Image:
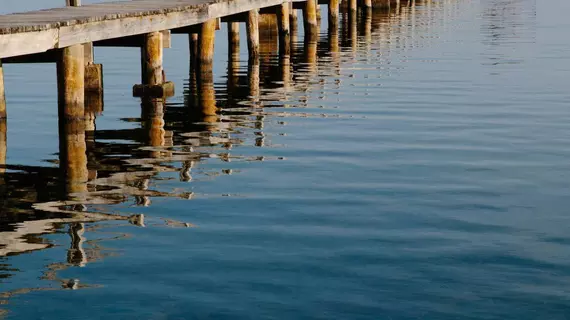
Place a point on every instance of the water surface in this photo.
(413, 165)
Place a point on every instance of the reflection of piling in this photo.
(152, 115)
(76, 254)
(253, 79)
(73, 156)
(3, 145)
(233, 58)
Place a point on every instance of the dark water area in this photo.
(412, 165)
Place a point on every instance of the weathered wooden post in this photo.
(152, 72)
(206, 41)
(352, 5)
(71, 83)
(193, 46)
(283, 25)
(153, 80)
(205, 76)
(233, 58)
(333, 10)
(252, 28)
(2, 94)
(310, 18)
(293, 17)
(233, 38)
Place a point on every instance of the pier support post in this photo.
(152, 74)
(152, 59)
(293, 17)
(333, 10)
(283, 24)
(352, 6)
(310, 17)
(233, 39)
(252, 28)
(367, 4)
(206, 41)
(71, 83)
(2, 94)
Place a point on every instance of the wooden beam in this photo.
(239, 17)
(187, 30)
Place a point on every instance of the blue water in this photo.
(420, 173)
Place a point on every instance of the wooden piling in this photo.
(233, 38)
(206, 41)
(2, 94)
(283, 25)
(367, 4)
(151, 54)
(310, 17)
(252, 28)
(193, 46)
(71, 82)
(293, 18)
(333, 10)
(352, 5)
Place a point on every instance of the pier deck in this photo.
(40, 31)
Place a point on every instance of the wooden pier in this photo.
(66, 36)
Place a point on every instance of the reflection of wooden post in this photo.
(2, 94)
(71, 82)
(353, 30)
(3, 145)
(76, 254)
(253, 79)
(310, 17)
(73, 156)
(153, 123)
(152, 72)
(285, 66)
(284, 29)
(252, 28)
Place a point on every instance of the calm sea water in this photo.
(419, 172)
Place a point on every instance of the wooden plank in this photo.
(27, 43)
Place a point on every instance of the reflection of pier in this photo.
(95, 170)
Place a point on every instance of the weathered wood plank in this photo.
(26, 43)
